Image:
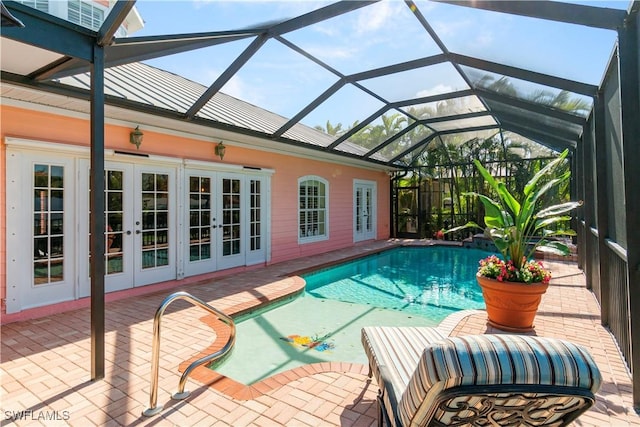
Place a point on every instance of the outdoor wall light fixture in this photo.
(220, 149)
(135, 137)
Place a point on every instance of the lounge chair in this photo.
(426, 379)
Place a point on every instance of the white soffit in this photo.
(19, 58)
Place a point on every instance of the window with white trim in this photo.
(41, 5)
(313, 210)
(88, 15)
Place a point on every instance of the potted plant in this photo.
(513, 284)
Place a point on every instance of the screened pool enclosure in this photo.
(384, 85)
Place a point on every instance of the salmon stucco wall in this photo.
(340, 201)
(48, 127)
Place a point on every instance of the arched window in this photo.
(313, 213)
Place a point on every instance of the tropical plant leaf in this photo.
(499, 233)
(531, 200)
(508, 200)
(493, 213)
(558, 209)
(499, 239)
(550, 221)
(548, 186)
(470, 224)
(486, 175)
(544, 171)
(556, 233)
(515, 224)
(554, 247)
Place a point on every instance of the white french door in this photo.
(229, 224)
(154, 225)
(215, 225)
(119, 215)
(364, 210)
(221, 221)
(40, 229)
(227, 220)
(140, 218)
(258, 188)
(201, 202)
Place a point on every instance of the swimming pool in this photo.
(406, 286)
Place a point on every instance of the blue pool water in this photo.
(412, 286)
(432, 281)
(303, 331)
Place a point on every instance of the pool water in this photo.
(303, 331)
(414, 286)
(432, 281)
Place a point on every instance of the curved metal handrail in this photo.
(181, 393)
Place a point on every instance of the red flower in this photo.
(495, 268)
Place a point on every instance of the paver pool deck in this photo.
(45, 370)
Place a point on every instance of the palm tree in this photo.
(330, 129)
(562, 100)
(502, 85)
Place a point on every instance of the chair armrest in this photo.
(479, 360)
(388, 396)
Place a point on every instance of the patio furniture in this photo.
(425, 378)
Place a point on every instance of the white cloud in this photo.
(238, 89)
(374, 17)
(464, 31)
(211, 74)
(235, 87)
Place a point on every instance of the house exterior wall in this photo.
(49, 127)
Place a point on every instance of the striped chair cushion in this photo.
(393, 354)
(493, 359)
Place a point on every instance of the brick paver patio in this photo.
(46, 362)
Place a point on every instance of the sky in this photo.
(280, 80)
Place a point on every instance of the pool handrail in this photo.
(181, 393)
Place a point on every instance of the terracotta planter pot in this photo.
(511, 306)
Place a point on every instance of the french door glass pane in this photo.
(48, 224)
(358, 209)
(114, 214)
(254, 229)
(368, 206)
(230, 216)
(199, 218)
(155, 212)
